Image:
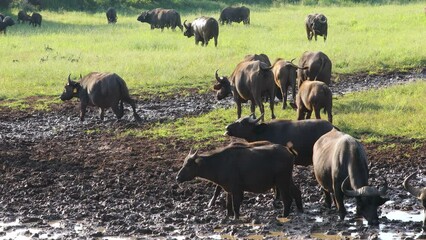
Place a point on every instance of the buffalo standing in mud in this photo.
(238, 168)
(36, 19)
(111, 15)
(264, 58)
(314, 96)
(316, 24)
(203, 29)
(249, 81)
(419, 193)
(314, 66)
(235, 14)
(7, 22)
(23, 17)
(301, 135)
(285, 76)
(161, 18)
(340, 160)
(104, 90)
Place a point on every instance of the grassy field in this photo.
(37, 61)
(372, 116)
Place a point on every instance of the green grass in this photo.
(37, 61)
(372, 116)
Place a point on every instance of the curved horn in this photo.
(413, 190)
(217, 76)
(184, 23)
(322, 19)
(349, 193)
(292, 60)
(69, 78)
(254, 121)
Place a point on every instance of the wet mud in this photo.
(63, 179)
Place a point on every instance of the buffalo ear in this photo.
(217, 86)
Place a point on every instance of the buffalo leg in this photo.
(82, 111)
(215, 41)
(239, 110)
(215, 195)
(308, 114)
(132, 103)
(237, 199)
(253, 108)
(315, 35)
(287, 200)
(317, 112)
(330, 115)
(338, 195)
(102, 113)
(297, 195)
(300, 113)
(327, 198)
(271, 104)
(284, 94)
(119, 112)
(229, 208)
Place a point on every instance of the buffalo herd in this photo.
(272, 148)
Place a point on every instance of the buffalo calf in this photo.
(111, 15)
(314, 96)
(238, 168)
(36, 19)
(104, 90)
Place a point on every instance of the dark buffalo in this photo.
(35, 19)
(316, 24)
(238, 168)
(302, 135)
(23, 17)
(285, 76)
(7, 22)
(249, 81)
(161, 18)
(419, 193)
(314, 96)
(314, 66)
(340, 160)
(264, 58)
(203, 29)
(235, 14)
(104, 90)
(111, 15)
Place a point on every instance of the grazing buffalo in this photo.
(111, 15)
(161, 18)
(419, 193)
(264, 58)
(104, 90)
(203, 29)
(35, 19)
(7, 22)
(316, 24)
(285, 76)
(302, 135)
(249, 81)
(23, 17)
(235, 14)
(314, 66)
(339, 160)
(314, 96)
(238, 168)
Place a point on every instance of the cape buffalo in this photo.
(7, 22)
(249, 81)
(35, 19)
(104, 90)
(235, 14)
(238, 168)
(419, 193)
(264, 58)
(314, 96)
(111, 15)
(316, 24)
(302, 135)
(23, 17)
(340, 160)
(285, 76)
(161, 18)
(203, 29)
(314, 66)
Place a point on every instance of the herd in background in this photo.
(266, 161)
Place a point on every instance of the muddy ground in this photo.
(62, 179)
